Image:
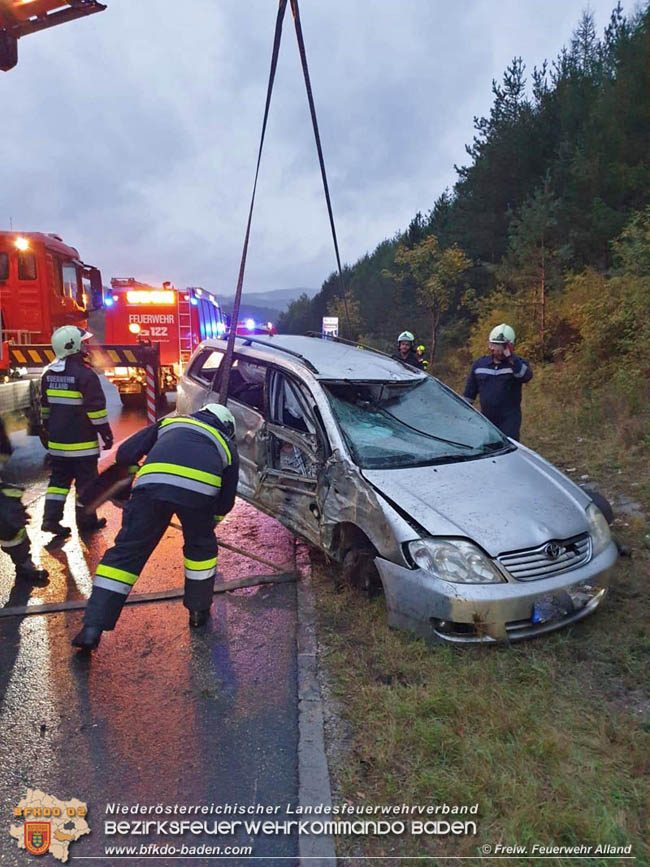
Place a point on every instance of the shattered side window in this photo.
(206, 365)
(290, 405)
(247, 383)
(407, 425)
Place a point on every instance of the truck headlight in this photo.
(598, 529)
(455, 560)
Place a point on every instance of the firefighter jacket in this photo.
(73, 408)
(190, 461)
(498, 385)
(412, 358)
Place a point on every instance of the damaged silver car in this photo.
(473, 537)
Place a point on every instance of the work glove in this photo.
(217, 519)
(107, 439)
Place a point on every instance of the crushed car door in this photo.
(246, 403)
(295, 457)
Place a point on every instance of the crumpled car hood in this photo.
(502, 503)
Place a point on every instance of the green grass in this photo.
(550, 737)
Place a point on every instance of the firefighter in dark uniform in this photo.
(13, 518)
(73, 410)
(497, 379)
(191, 470)
(405, 350)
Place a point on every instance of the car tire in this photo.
(360, 572)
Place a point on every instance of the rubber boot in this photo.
(56, 528)
(88, 638)
(199, 618)
(28, 573)
(91, 526)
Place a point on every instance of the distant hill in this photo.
(275, 299)
(252, 311)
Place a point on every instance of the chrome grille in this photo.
(533, 563)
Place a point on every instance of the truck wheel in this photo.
(359, 570)
(132, 401)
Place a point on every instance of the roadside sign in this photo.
(330, 326)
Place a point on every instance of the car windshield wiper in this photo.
(428, 435)
(452, 459)
(495, 448)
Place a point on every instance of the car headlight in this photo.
(598, 529)
(454, 560)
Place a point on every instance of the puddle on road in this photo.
(72, 563)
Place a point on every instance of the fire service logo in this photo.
(37, 837)
(49, 824)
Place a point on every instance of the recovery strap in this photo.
(227, 362)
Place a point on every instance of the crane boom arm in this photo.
(21, 17)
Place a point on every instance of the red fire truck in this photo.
(20, 17)
(176, 319)
(43, 285)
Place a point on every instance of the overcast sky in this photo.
(133, 133)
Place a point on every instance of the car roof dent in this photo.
(325, 359)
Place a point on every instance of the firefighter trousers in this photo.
(14, 540)
(143, 525)
(64, 472)
(18, 548)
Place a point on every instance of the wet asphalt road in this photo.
(159, 714)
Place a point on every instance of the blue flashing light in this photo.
(108, 302)
(250, 324)
(194, 302)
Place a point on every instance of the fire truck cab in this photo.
(43, 285)
(175, 319)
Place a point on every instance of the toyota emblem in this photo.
(553, 550)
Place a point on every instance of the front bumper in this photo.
(485, 613)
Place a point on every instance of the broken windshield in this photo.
(388, 425)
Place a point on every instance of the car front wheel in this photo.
(360, 572)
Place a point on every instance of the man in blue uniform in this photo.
(497, 379)
(73, 410)
(191, 470)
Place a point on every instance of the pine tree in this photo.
(534, 258)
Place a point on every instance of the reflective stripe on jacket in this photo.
(189, 462)
(73, 408)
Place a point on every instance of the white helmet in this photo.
(67, 340)
(502, 334)
(223, 414)
(406, 336)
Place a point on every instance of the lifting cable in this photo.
(227, 362)
(310, 97)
